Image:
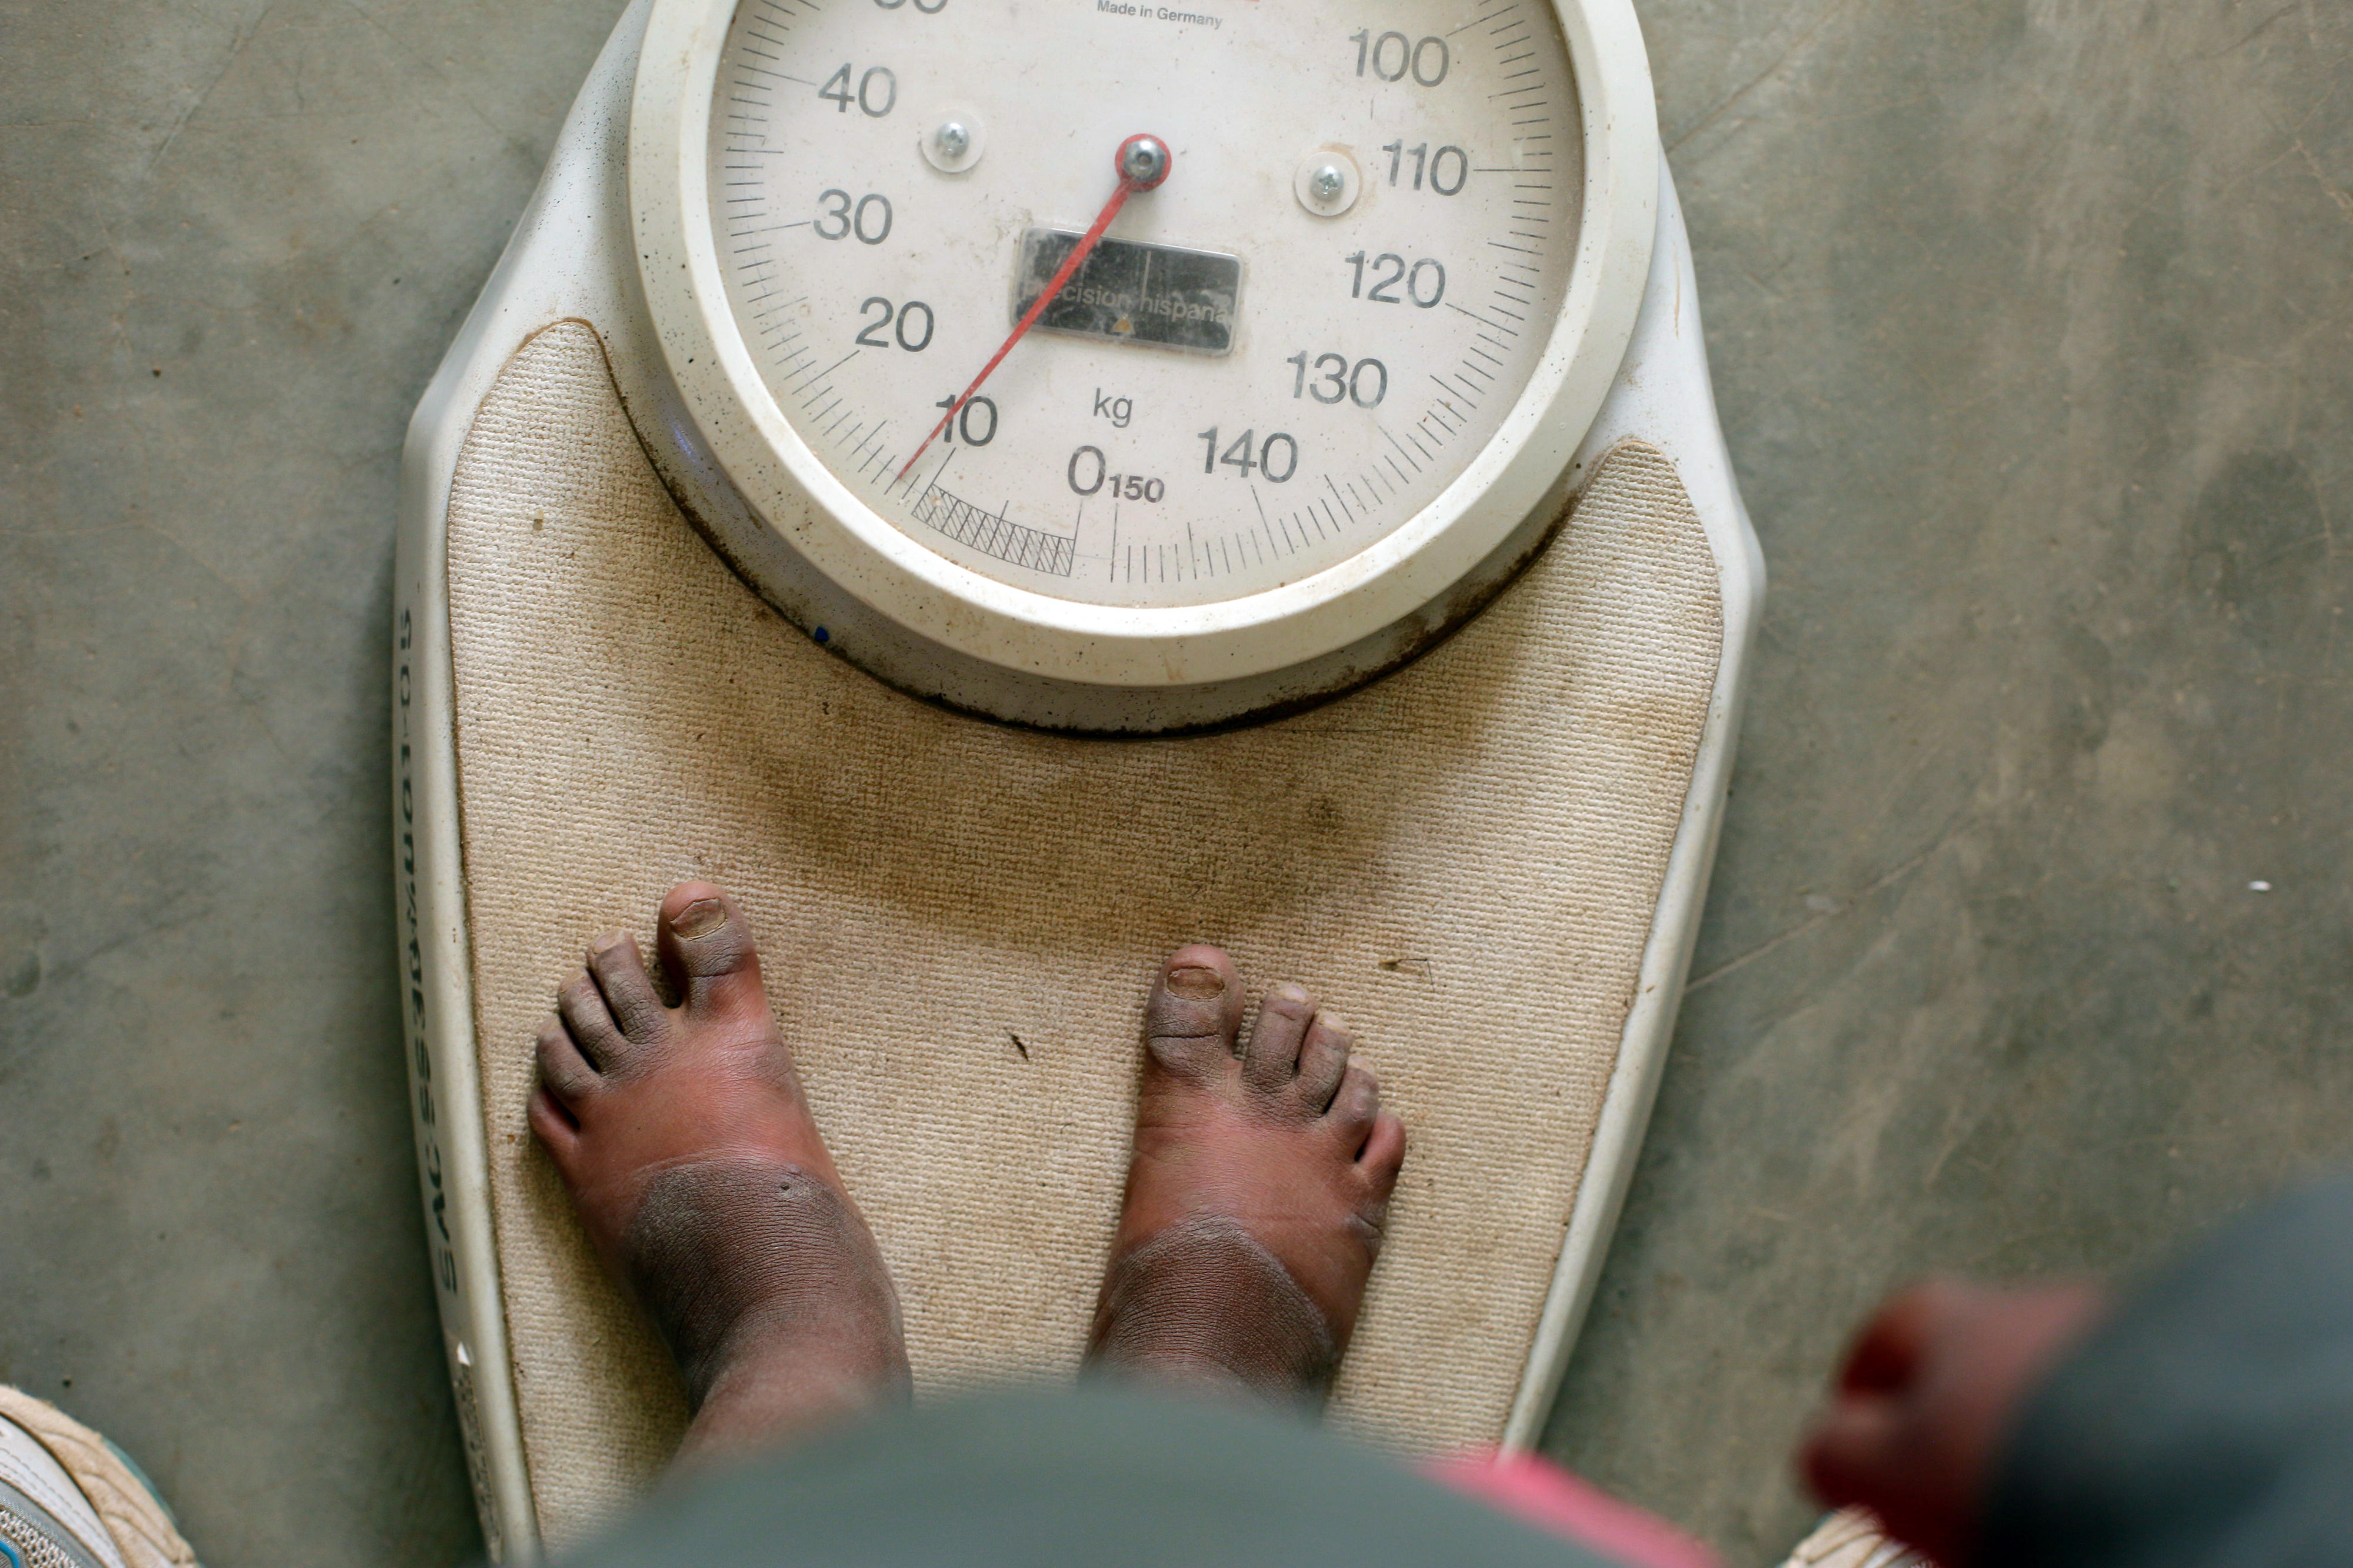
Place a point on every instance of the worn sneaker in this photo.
(70, 1499)
(1852, 1538)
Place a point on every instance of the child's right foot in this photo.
(1256, 1195)
(689, 1153)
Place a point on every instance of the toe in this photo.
(1271, 1059)
(561, 1068)
(619, 970)
(1355, 1106)
(1195, 1008)
(582, 1007)
(707, 948)
(1383, 1155)
(554, 1127)
(1323, 1061)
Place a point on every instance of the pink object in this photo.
(1538, 1493)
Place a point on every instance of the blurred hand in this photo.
(1928, 1396)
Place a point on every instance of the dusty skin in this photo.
(1255, 1197)
(688, 1147)
(1256, 1193)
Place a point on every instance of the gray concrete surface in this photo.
(2032, 328)
(2034, 331)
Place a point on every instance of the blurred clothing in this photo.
(2209, 1422)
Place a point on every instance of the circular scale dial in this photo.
(1277, 354)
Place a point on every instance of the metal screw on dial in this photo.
(1327, 181)
(956, 141)
(1143, 161)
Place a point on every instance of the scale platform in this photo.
(1491, 859)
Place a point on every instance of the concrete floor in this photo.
(2034, 333)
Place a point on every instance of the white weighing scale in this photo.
(1009, 486)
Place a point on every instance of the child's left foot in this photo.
(1256, 1195)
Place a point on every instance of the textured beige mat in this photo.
(960, 920)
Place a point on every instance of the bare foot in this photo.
(1928, 1395)
(1255, 1195)
(688, 1147)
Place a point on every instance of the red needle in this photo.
(1141, 162)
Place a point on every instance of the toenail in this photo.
(605, 945)
(1196, 983)
(1292, 993)
(700, 918)
(1329, 1023)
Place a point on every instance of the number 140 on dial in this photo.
(1247, 454)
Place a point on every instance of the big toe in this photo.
(1194, 1011)
(709, 954)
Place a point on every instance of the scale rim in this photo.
(792, 491)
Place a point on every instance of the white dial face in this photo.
(1276, 357)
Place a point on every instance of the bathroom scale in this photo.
(1009, 486)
